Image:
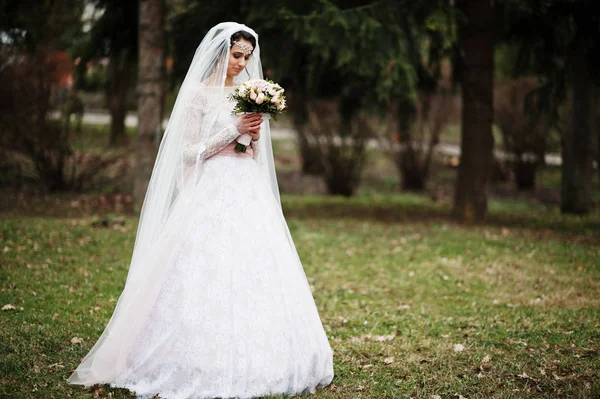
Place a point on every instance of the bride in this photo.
(216, 302)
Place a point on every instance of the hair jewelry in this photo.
(246, 48)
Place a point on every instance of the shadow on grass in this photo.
(388, 208)
(418, 209)
(63, 205)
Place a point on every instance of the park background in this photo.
(438, 168)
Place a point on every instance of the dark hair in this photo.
(242, 34)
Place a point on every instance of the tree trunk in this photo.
(298, 106)
(477, 36)
(117, 88)
(118, 134)
(408, 160)
(311, 160)
(310, 156)
(413, 178)
(524, 172)
(415, 156)
(577, 166)
(151, 83)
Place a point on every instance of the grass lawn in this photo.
(415, 306)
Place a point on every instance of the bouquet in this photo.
(257, 96)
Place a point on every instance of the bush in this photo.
(30, 137)
(338, 142)
(414, 131)
(524, 134)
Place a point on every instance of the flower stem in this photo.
(240, 148)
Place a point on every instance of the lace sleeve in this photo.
(199, 145)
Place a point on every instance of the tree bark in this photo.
(151, 83)
(577, 166)
(477, 36)
(120, 76)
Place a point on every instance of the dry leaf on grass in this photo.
(371, 337)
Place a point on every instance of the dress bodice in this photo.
(209, 125)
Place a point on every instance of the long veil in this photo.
(107, 360)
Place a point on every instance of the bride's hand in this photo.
(249, 123)
(255, 134)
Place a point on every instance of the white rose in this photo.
(253, 95)
(260, 98)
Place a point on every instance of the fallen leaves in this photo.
(485, 362)
(8, 306)
(76, 340)
(485, 365)
(98, 392)
(524, 376)
(371, 337)
(459, 347)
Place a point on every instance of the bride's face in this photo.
(238, 58)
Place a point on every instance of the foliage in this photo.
(540, 37)
(508, 309)
(349, 56)
(391, 51)
(113, 32)
(419, 119)
(187, 23)
(114, 36)
(38, 146)
(30, 76)
(27, 82)
(32, 27)
(334, 49)
(93, 79)
(559, 41)
(361, 43)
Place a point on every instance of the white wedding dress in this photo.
(234, 315)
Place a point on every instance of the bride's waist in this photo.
(230, 150)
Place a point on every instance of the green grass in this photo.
(397, 282)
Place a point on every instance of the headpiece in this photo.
(246, 48)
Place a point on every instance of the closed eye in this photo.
(237, 55)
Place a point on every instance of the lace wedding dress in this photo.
(234, 315)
